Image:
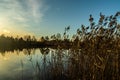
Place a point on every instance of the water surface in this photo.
(58, 64)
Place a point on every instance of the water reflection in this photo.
(59, 64)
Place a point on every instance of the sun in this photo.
(2, 25)
(6, 31)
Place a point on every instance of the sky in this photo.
(48, 17)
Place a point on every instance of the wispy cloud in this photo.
(36, 8)
(22, 12)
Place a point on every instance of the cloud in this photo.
(36, 7)
(22, 12)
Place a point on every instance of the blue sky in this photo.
(47, 17)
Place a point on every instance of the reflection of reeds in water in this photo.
(76, 64)
(81, 65)
(22, 70)
(73, 64)
(38, 70)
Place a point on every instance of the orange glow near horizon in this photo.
(9, 28)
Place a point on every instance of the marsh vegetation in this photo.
(93, 53)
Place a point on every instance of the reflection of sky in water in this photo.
(119, 19)
(10, 65)
(46, 64)
(17, 65)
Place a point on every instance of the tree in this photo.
(42, 39)
(33, 38)
(27, 38)
(58, 36)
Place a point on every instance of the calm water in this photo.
(31, 64)
(58, 64)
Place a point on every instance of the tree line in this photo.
(103, 34)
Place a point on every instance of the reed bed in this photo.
(92, 54)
